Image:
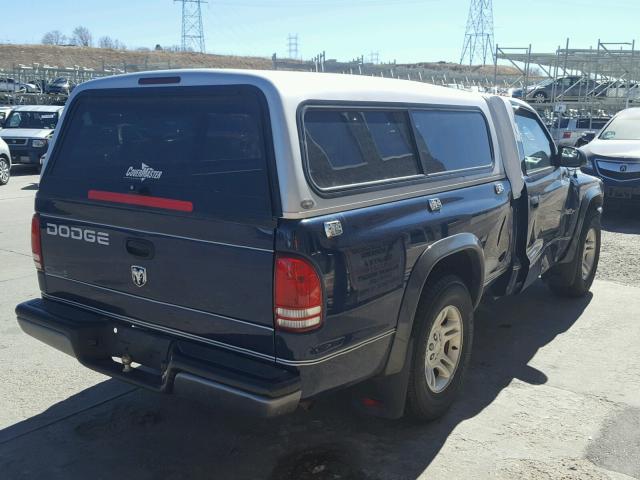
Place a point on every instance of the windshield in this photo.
(622, 129)
(546, 82)
(39, 120)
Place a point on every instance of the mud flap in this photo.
(385, 396)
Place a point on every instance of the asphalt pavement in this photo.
(553, 393)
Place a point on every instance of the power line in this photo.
(192, 36)
(478, 37)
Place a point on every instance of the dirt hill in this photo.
(135, 60)
(98, 58)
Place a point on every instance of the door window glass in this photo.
(535, 143)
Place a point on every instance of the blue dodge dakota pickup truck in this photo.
(256, 239)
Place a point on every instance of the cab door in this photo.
(547, 187)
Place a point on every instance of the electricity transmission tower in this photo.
(292, 45)
(192, 31)
(478, 38)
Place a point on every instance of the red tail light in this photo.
(36, 245)
(566, 135)
(297, 295)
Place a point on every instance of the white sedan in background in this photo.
(5, 163)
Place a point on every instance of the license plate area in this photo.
(622, 192)
(141, 345)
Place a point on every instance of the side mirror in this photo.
(571, 157)
(584, 139)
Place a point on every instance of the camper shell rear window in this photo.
(203, 145)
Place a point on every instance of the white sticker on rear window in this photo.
(142, 173)
(48, 115)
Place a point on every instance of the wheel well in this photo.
(465, 265)
(595, 203)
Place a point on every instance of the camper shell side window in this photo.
(348, 148)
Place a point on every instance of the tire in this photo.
(428, 399)
(5, 171)
(539, 97)
(575, 279)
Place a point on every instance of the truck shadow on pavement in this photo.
(142, 435)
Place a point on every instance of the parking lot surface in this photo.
(553, 393)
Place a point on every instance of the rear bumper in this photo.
(168, 365)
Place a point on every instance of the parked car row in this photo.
(59, 86)
(575, 87)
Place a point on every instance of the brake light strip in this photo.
(141, 200)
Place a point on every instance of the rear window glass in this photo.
(349, 147)
(208, 149)
(593, 124)
(452, 140)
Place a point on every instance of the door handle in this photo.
(535, 201)
(140, 248)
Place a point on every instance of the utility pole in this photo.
(192, 37)
(478, 37)
(292, 46)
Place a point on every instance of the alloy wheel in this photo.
(589, 253)
(4, 171)
(444, 347)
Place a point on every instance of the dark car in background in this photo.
(565, 88)
(614, 156)
(61, 86)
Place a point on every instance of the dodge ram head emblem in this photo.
(138, 275)
(623, 167)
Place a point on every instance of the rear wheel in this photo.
(575, 279)
(5, 171)
(539, 97)
(443, 336)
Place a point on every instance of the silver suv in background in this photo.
(27, 131)
(567, 131)
(11, 85)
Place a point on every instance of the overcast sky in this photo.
(405, 30)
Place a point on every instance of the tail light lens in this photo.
(36, 244)
(297, 295)
(566, 135)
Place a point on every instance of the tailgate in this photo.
(156, 207)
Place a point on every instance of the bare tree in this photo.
(54, 37)
(81, 37)
(106, 42)
(111, 43)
